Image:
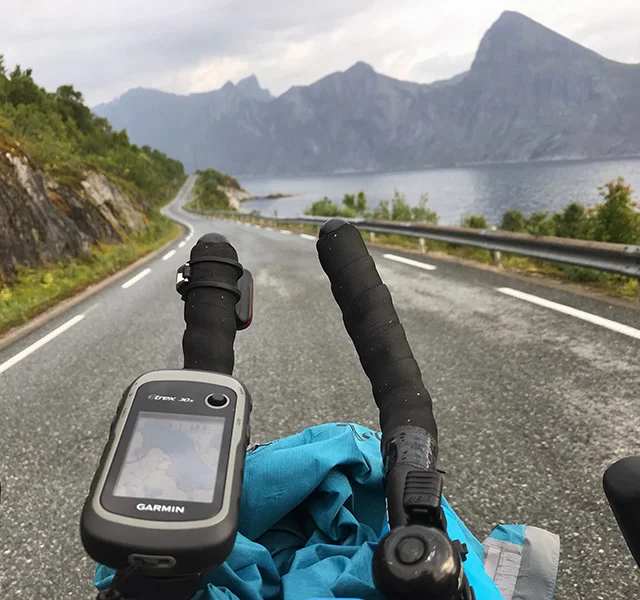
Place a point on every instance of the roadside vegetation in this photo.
(355, 205)
(62, 137)
(65, 139)
(616, 219)
(36, 290)
(207, 192)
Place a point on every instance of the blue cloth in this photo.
(313, 509)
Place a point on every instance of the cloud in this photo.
(108, 46)
(440, 66)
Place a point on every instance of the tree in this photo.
(22, 89)
(574, 222)
(324, 208)
(349, 201)
(66, 93)
(475, 222)
(381, 212)
(3, 71)
(616, 219)
(355, 206)
(539, 223)
(422, 213)
(400, 210)
(513, 220)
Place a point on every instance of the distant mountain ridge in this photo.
(530, 94)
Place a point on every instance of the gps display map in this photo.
(172, 457)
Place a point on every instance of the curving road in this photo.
(533, 401)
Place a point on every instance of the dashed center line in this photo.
(305, 236)
(285, 232)
(182, 244)
(41, 342)
(573, 312)
(135, 279)
(168, 255)
(408, 261)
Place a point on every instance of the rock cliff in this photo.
(42, 221)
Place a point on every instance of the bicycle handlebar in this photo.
(211, 295)
(409, 433)
(378, 336)
(621, 484)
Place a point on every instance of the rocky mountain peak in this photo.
(516, 40)
(250, 88)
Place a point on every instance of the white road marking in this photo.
(408, 261)
(91, 308)
(182, 244)
(168, 255)
(247, 224)
(305, 236)
(135, 279)
(41, 342)
(574, 312)
(285, 232)
(268, 228)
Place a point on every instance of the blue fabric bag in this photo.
(313, 509)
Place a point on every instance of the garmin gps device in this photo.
(166, 494)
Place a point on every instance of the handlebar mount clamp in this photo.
(243, 292)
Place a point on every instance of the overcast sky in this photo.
(106, 47)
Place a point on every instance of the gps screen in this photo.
(171, 457)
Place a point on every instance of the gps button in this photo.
(217, 400)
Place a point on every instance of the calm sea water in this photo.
(453, 193)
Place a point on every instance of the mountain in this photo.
(250, 88)
(530, 94)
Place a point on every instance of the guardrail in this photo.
(613, 258)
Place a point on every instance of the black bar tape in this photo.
(378, 336)
(209, 311)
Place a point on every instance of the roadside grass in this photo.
(37, 289)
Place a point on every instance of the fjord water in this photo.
(487, 190)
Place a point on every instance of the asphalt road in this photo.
(532, 404)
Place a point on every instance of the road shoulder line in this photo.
(16, 333)
(573, 312)
(410, 262)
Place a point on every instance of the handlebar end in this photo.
(213, 238)
(330, 226)
(418, 562)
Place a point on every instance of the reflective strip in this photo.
(539, 565)
(526, 571)
(502, 563)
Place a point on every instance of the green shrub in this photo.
(574, 222)
(422, 213)
(218, 178)
(382, 212)
(616, 218)
(327, 208)
(207, 194)
(355, 204)
(475, 222)
(513, 220)
(540, 223)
